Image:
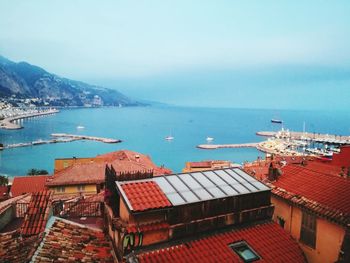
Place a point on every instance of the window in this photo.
(308, 230)
(281, 221)
(65, 164)
(60, 189)
(244, 251)
(81, 188)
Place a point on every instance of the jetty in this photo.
(218, 146)
(60, 138)
(85, 137)
(8, 124)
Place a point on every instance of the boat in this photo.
(276, 121)
(210, 139)
(80, 127)
(169, 138)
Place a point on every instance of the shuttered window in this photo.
(308, 230)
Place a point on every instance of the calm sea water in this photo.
(143, 129)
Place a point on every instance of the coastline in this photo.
(8, 124)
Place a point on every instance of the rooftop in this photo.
(321, 192)
(28, 184)
(67, 241)
(187, 188)
(80, 173)
(37, 213)
(270, 242)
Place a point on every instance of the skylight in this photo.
(244, 251)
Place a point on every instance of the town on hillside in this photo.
(122, 207)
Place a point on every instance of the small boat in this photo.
(210, 139)
(80, 127)
(169, 138)
(276, 121)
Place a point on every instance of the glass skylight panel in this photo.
(216, 192)
(244, 175)
(250, 187)
(175, 199)
(227, 178)
(164, 185)
(203, 180)
(214, 178)
(241, 189)
(260, 186)
(190, 197)
(229, 190)
(187, 178)
(236, 176)
(203, 194)
(176, 182)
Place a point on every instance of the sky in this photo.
(250, 54)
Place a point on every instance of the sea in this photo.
(143, 129)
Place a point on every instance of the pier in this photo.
(60, 138)
(218, 146)
(84, 137)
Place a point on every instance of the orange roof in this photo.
(129, 161)
(80, 173)
(37, 213)
(28, 184)
(268, 240)
(203, 164)
(321, 192)
(145, 195)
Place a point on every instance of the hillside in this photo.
(25, 81)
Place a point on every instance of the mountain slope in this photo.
(24, 81)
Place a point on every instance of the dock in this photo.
(60, 138)
(218, 146)
(85, 137)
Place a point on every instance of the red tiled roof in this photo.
(80, 173)
(268, 240)
(37, 213)
(28, 184)
(67, 241)
(323, 193)
(129, 161)
(145, 195)
(325, 168)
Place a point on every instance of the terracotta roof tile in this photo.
(324, 193)
(37, 213)
(80, 173)
(145, 195)
(67, 241)
(269, 240)
(28, 184)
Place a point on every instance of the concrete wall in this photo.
(7, 216)
(329, 236)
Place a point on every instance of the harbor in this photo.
(60, 138)
(289, 143)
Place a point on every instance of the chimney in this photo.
(274, 172)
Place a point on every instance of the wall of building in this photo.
(7, 216)
(329, 236)
(74, 189)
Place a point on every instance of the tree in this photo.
(3, 180)
(37, 172)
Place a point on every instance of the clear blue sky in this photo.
(201, 53)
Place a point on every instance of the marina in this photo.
(289, 143)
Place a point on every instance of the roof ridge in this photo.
(311, 170)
